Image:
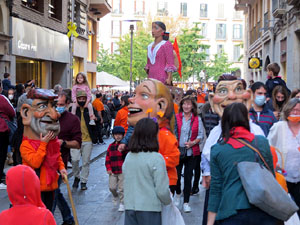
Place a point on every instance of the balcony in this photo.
(255, 33)
(100, 8)
(279, 8)
(292, 2)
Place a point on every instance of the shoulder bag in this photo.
(263, 190)
(12, 127)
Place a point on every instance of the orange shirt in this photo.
(168, 148)
(34, 159)
(201, 98)
(176, 108)
(121, 118)
(98, 105)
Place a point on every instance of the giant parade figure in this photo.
(40, 148)
(153, 99)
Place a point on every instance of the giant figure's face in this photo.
(227, 92)
(146, 102)
(40, 117)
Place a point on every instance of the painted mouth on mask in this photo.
(49, 121)
(133, 111)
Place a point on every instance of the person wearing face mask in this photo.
(88, 138)
(259, 112)
(285, 137)
(69, 137)
(280, 97)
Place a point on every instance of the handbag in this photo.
(12, 128)
(183, 150)
(263, 190)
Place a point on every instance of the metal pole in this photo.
(131, 43)
(71, 45)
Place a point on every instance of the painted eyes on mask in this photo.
(145, 96)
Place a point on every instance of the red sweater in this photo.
(6, 111)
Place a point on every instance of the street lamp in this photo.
(131, 28)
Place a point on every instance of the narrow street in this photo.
(94, 206)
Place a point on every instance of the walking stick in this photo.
(71, 200)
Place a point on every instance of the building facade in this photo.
(222, 26)
(36, 45)
(273, 35)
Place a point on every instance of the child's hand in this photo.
(109, 172)
(49, 136)
(121, 147)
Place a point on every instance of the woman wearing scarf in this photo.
(160, 60)
(285, 137)
(228, 202)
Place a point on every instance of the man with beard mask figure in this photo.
(40, 148)
(88, 138)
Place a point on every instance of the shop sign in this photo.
(33, 41)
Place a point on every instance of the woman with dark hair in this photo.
(295, 93)
(189, 133)
(122, 114)
(160, 60)
(146, 183)
(280, 97)
(285, 137)
(228, 202)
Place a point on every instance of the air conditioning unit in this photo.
(292, 2)
(278, 13)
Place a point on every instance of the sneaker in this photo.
(83, 186)
(76, 182)
(121, 208)
(195, 191)
(92, 122)
(115, 201)
(177, 200)
(186, 208)
(2, 186)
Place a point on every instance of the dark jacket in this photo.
(92, 129)
(7, 112)
(272, 83)
(6, 83)
(266, 119)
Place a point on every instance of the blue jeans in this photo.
(62, 205)
(251, 216)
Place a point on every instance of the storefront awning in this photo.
(106, 79)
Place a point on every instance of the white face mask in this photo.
(10, 97)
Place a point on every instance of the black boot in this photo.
(76, 182)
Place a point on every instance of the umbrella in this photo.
(106, 79)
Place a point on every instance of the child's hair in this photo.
(85, 81)
(274, 67)
(144, 138)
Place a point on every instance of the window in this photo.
(207, 54)
(116, 28)
(220, 10)
(162, 8)
(203, 10)
(221, 31)
(34, 4)
(139, 7)
(236, 53)
(203, 31)
(55, 8)
(220, 49)
(237, 15)
(117, 6)
(183, 9)
(237, 31)
(114, 48)
(80, 18)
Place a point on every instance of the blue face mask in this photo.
(260, 100)
(60, 109)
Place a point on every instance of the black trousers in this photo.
(189, 164)
(48, 199)
(142, 218)
(197, 171)
(3, 151)
(294, 190)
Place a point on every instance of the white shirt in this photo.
(282, 138)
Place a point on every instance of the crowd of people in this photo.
(160, 147)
